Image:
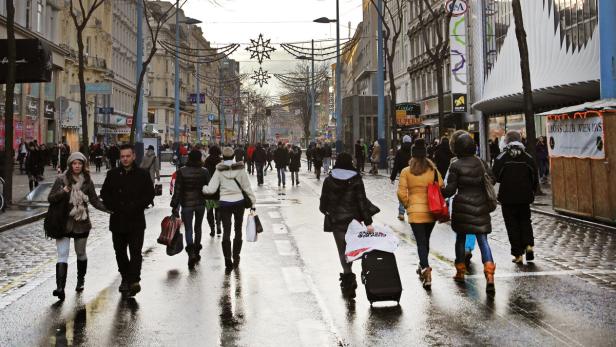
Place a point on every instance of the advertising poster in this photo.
(576, 136)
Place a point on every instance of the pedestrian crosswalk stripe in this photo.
(274, 215)
(284, 247)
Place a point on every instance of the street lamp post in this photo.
(198, 99)
(176, 118)
(338, 110)
(380, 85)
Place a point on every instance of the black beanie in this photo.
(344, 161)
(419, 149)
(194, 156)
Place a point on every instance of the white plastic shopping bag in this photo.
(251, 228)
(360, 241)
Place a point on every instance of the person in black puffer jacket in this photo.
(295, 162)
(443, 156)
(402, 160)
(281, 159)
(343, 198)
(214, 218)
(259, 157)
(470, 211)
(187, 193)
(516, 171)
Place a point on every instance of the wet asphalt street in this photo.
(286, 290)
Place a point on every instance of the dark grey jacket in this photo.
(73, 228)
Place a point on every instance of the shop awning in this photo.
(430, 122)
(543, 98)
(604, 104)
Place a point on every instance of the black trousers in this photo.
(237, 212)
(129, 268)
(519, 227)
(259, 167)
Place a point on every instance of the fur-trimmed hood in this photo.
(230, 171)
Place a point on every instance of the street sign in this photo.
(32, 61)
(105, 110)
(192, 98)
(211, 117)
(93, 88)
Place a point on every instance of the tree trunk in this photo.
(82, 95)
(8, 104)
(441, 97)
(529, 114)
(392, 101)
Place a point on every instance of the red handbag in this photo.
(436, 201)
(169, 227)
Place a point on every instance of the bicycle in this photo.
(2, 205)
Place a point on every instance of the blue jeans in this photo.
(326, 163)
(281, 176)
(484, 247)
(187, 219)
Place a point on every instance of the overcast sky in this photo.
(281, 21)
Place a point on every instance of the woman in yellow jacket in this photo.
(413, 194)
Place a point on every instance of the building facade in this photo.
(35, 105)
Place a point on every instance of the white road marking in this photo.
(294, 279)
(278, 228)
(274, 214)
(284, 247)
(548, 273)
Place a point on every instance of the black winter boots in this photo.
(82, 267)
(226, 252)
(348, 284)
(61, 269)
(237, 248)
(192, 255)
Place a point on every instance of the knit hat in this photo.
(344, 161)
(228, 153)
(76, 156)
(419, 149)
(407, 139)
(194, 156)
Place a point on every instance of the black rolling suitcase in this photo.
(380, 276)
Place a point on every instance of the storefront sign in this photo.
(50, 109)
(407, 114)
(457, 51)
(459, 103)
(576, 136)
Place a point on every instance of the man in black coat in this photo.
(281, 159)
(516, 171)
(402, 160)
(259, 157)
(127, 192)
(113, 155)
(360, 156)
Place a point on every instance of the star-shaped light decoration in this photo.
(260, 77)
(260, 49)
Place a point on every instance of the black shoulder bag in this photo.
(247, 201)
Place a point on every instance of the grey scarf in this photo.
(78, 199)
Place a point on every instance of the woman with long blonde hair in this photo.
(413, 194)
